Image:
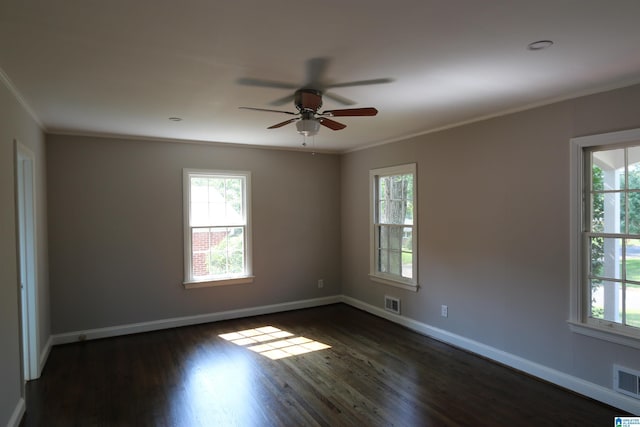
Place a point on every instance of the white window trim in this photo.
(411, 284)
(244, 279)
(578, 313)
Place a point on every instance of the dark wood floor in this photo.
(375, 373)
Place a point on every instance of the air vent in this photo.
(626, 381)
(392, 304)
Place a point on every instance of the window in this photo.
(217, 235)
(394, 255)
(606, 236)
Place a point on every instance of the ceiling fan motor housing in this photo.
(308, 99)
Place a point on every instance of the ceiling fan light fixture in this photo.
(308, 127)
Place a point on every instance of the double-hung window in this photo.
(393, 226)
(217, 229)
(607, 236)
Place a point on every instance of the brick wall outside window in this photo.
(203, 241)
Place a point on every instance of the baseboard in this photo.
(190, 320)
(44, 355)
(18, 413)
(559, 378)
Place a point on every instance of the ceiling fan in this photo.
(308, 99)
(308, 120)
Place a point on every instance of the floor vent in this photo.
(626, 381)
(392, 304)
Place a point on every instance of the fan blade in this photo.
(359, 83)
(247, 81)
(340, 99)
(331, 124)
(316, 70)
(266, 109)
(286, 122)
(370, 111)
(287, 99)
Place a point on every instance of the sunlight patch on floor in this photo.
(273, 343)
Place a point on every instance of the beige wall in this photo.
(493, 231)
(15, 123)
(116, 236)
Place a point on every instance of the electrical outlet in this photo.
(320, 283)
(444, 311)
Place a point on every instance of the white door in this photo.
(25, 189)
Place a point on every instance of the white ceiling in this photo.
(123, 67)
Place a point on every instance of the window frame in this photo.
(189, 281)
(579, 320)
(410, 284)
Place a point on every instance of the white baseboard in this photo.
(559, 378)
(44, 355)
(17, 415)
(155, 325)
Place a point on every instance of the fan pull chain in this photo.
(313, 144)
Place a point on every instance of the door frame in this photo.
(27, 258)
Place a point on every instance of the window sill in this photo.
(220, 282)
(401, 285)
(605, 334)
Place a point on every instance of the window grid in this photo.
(608, 237)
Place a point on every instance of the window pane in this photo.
(235, 247)
(597, 183)
(395, 238)
(384, 189)
(383, 261)
(606, 301)
(607, 172)
(407, 265)
(199, 187)
(397, 186)
(632, 303)
(395, 262)
(383, 213)
(597, 213)
(218, 252)
(632, 259)
(383, 236)
(200, 246)
(409, 187)
(633, 156)
(407, 239)
(233, 198)
(597, 299)
(408, 215)
(396, 212)
(607, 210)
(634, 212)
(606, 257)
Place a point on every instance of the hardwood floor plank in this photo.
(374, 373)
